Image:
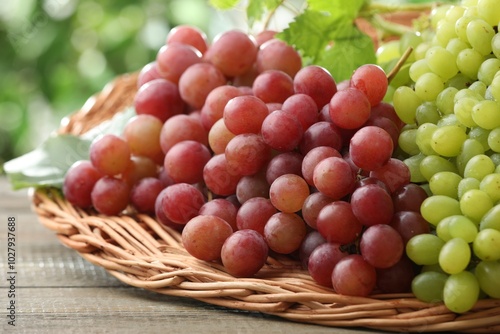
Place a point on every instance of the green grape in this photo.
(441, 62)
(466, 92)
(447, 140)
(455, 45)
(480, 135)
(494, 139)
(428, 286)
(409, 39)
(413, 164)
(437, 207)
(490, 184)
(407, 141)
(461, 292)
(487, 70)
(433, 164)
(432, 268)
(479, 87)
(470, 148)
(479, 34)
(461, 227)
(491, 219)
(445, 31)
(459, 81)
(486, 245)
(438, 14)
(388, 51)
(405, 102)
(427, 112)
(475, 204)
(428, 86)
(486, 114)
(471, 8)
(463, 111)
(466, 184)
(445, 183)
(450, 119)
(421, 49)
(454, 13)
(445, 100)
(495, 45)
(488, 9)
(454, 256)
(424, 136)
(469, 61)
(443, 228)
(494, 88)
(423, 249)
(488, 276)
(461, 27)
(479, 166)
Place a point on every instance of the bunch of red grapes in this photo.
(248, 153)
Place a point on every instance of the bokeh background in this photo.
(54, 54)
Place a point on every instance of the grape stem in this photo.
(399, 64)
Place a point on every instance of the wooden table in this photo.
(56, 291)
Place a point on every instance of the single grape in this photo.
(281, 131)
(488, 276)
(322, 260)
(254, 214)
(173, 59)
(275, 54)
(353, 276)
(246, 154)
(182, 202)
(142, 133)
(316, 82)
(349, 108)
(189, 35)
(250, 186)
(437, 207)
(394, 174)
(486, 245)
(78, 183)
(179, 128)
(429, 286)
(312, 207)
(408, 198)
(288, 193)
(321, 133)
(475, 203)
(219, 136)
(304, 109)
(454, 256)
(245, 114)
(159, 98)
(197, 81)
(424, 249)
(461, 292)
(185, 161)
(273, 86)
(370, 148)
(397, 278)
(143, 195)
(216, 100)
(218, 178)
(371, 80)
(372, 205)
(409, 224)
(284, 232)
(110, 196)
(337, 223)
(334, 177)
(284, 163)
(222, 208)
(312, 240)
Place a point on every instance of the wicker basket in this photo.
(139, 251)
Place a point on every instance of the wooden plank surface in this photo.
(56, 291)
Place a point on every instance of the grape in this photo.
(479, 34)
(264, 36)
(245, 114)
(490, 184)
(147, 73)
(179, 128)
(143, 195)
(198, 81)
(244, 253)
(397, 278)
(78, 183)
(479, 166)
(407, 141)
(429, 286)
(185, 161)
(353, 276)
(432, 164)
(394, 174)
(316, 82)
(333, 177)
(428, 86)
(284, 163)
(182, 202)
(445, 183)
(458, 226)
(488, 276)
(418, 68)
(386, 124)
(284, 232)
(321, 133)
(424, 249)
(281, 131)
(461, 292)
(303, 108)
(204, 235)
(217, 177)
(273, 86)
(254, 214)
(454, 256)
(110, 154)
(110, 196)
(312, 240)
(349, 108)
(466, 184)
(438, 60)
(312, 207)
(160, 215)
(337, 223)
(487, 70)
(475, 203)
(381, 246)
(469, 61)
(371, 80)
(250, 186)
(424, 137)
(213, 108)
(494, 139)
(219, 136)
(486, 245)
(446, 99)
(470, 148)
(313, 157)
(427, 112)
(139, 168)
(322, 260)
(384, 109)
(409, 224)
(288, 193)
(142, 133)
(246, 154)
(447, 140)
(233, 52)
(370, 148)
(437, 207)
(221, 208)
(408, 198)
(372, 205)
(159, 98)
(491, 219)
(277, 55)
(189, 35)
(173, 59)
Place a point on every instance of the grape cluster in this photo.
(451, 144)
(248, 153)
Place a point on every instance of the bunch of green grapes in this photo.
(451, 143)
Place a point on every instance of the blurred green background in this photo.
(54, 54)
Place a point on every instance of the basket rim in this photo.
(141, 252)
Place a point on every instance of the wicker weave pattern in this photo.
(140, 252)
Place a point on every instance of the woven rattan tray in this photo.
(140, 252)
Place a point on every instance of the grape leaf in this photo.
(257, 8)
(347, 9)
(48, 163)
(224, 4)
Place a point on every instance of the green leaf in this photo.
(224, 4)
(257, 8)
(348, 9)
(46, 165)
